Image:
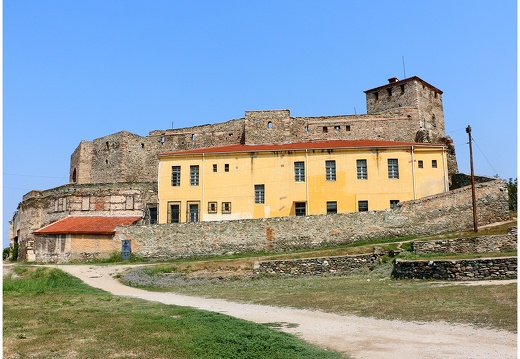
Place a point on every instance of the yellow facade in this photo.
(336, 179)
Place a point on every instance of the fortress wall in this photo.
(446, 212)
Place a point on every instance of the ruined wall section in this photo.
(40, 208)
(81, 163)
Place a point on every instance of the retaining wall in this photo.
(317, 266)
(467, 269)
(483, 244)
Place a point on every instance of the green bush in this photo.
(7, 253)
(14, 253)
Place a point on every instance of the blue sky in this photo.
(79, 70)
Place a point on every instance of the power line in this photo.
(12, 174)
(494, 170)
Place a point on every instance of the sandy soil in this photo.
(356, 336)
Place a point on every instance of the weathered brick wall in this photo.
(40, 208)
(470, 269)
(81, 163)
(317, 266)
(81, 248)
(483, 244)
(446, 212)
(412, 113)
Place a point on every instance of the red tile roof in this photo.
(86, 225)
(299, 146)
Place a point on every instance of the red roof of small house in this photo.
(86, 225)
(314, 145)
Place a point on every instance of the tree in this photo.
(512, 188)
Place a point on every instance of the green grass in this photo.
(50, 314)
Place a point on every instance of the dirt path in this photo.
(356, 336)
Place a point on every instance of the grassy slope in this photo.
(49, 314)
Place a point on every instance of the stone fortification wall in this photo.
(483, 244)
(40, 208)
(317, 266)
(409, 110)
(470, 269)
(446, 212)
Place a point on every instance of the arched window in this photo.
(74, 176)
(269, 124)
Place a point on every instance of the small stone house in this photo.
(79, 238)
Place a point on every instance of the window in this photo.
(402, 88)
(269, 124)
(332, 207)
(420, 164)
(325, 129)
(194, 175)
(226, 207)
(393, 168)
(362, 172)
(175, 213)
(212, 207)
(151, 213)
(376, 95)
(389, 90)
(393, 203)
(434, 163)
(337, 128)
(362, 206)
(347, 127)
(299, 171)
(226, 167)
(214, 168)
(176, 175)
(259, 193)
(330, 170)
(193, 137)
(193, 212)
(300, 209)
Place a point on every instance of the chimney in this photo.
(391, 80)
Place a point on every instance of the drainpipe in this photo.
(202, 183)
(413, 176)
(307, 181)
(158, 193)
(444, 169)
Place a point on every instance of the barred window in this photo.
(226, 207)
(362, 172)
(362, 206)
(330, 170)
(393, 168)
(300, 208)
(299, 171)
(259, 193)
(176, 175)
(212, 207)
(194, 175)
(420, 164)
(434, 163)
(332, 207)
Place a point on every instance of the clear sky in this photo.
(80, 70)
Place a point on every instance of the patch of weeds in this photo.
(279, 325)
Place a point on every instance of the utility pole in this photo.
(473, 197)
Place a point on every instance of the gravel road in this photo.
(356, 336)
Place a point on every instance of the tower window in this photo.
(389, 90)
(402, 88)
(376, 95)
(347, 127)
(325, 129)
(269, 124)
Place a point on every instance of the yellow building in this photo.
(262, 181)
